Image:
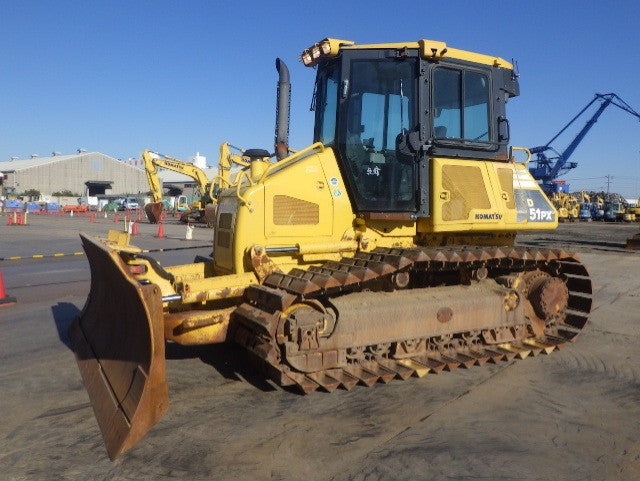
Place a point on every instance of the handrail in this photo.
(238, 182)
(317, 146)
(222, 182)
(523, 149)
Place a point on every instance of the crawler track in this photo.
(258, 322)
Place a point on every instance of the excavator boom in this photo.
(153, 161)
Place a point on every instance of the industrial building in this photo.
(83, 173)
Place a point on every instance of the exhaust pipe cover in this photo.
(283, 105)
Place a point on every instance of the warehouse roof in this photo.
(21, 164)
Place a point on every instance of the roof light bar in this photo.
(329, 47)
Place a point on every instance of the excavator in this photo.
(155, 160)
(204, 209)
(383, 250)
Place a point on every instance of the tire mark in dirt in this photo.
(441, 407)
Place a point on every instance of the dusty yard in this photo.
(572, 415)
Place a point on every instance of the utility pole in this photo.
(609, 180)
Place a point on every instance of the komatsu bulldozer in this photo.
(383, 250)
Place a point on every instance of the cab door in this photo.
(378, 111)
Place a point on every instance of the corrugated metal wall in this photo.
(72, 174)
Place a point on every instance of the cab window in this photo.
(326, 104)
(461, 105)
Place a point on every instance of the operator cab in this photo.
(386, 109)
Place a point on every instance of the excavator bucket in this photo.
(154, 211)
(119, 345)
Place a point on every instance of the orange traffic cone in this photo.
(10, 219)
(5, 300)
(134, 228)
(160, 233)
(116, 217)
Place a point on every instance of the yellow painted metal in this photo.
(334, 44)
(194, 270)
(315, 222)
(429, 49)
(467, 195)
(419, 369)
(436, 50)
(318, 147)
(216, 287)
(226, 161)
(197, 326)
(305, 176)
(307, 179)
(327, 248)
(547, 348)
(521, 352)
(119, 240)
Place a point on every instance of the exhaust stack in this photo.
(283, 104)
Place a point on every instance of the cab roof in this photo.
(429, 49)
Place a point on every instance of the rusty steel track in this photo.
(257, 323)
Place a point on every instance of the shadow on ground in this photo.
(64, 314)
(230, 360)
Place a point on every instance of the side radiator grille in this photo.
(223, 232)
(467, 191)
(291, 211)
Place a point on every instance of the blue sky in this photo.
(181, 77)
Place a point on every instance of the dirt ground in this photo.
(572, 415)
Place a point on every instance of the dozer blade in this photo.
(154, 211)
(119, 345)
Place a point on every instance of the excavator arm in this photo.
(226, 162)
(153, 160)
(152, 176)
(164, 161)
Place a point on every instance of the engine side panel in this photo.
(473, 195)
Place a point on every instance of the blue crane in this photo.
(548, 168)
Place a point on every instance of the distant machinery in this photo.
(548, 167)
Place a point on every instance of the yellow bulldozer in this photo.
(567, 206)
(383, 250)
